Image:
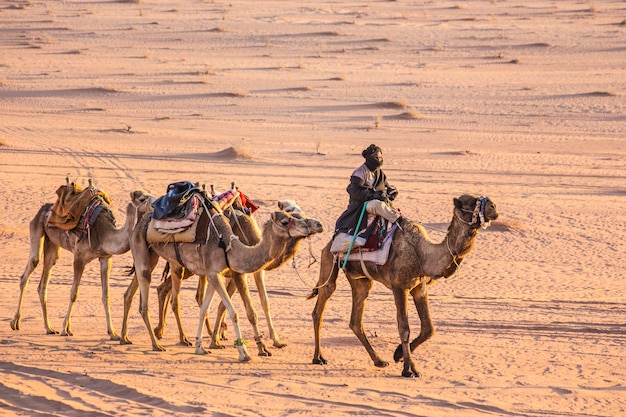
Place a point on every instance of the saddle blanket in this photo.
(379, 256)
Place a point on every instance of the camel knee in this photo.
(33, 263)
(147, 275)
(356, 327)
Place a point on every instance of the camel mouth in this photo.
(315, 226)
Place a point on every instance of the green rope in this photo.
(356, 232)
(240, 342)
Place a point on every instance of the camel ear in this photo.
(281, 205)
(280, 216)
(457, 203)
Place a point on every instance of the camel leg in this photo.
(50, 257)
(129, 294)
(105, 275)
(241, 281)
(326, 285)
(132, 290)
(360, 291)
(176, 282)
(206, 303)
(217, 282)
(37, 244)
(401, 296)
(144, 277)
(164, 292)
(200, 293)
(79, 268)
(221, 314)
(259, 279)
(420, 298)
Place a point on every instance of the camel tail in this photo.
(166, 271)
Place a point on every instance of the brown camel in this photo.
(246, 229)
(210, 260)
(103, 241)
(414, 262)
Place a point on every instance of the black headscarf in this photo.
(371, 161)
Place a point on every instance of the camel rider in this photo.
(368, 184)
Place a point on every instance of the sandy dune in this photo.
(522, 101)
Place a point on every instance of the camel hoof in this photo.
(320, 361)
(15, 324)
(216, 346)
(114, 337)
(245, 358)
(185, 342)
(201, 351)
(411, 374)
(51, 331)
(279, 345)
(381, 364)
(158, 332)
(66, 333)
(265, 352)
(158, 348)
(125, 341)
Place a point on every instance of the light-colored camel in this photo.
(246, 229)
(103, 241)
(414, 262)
(209, 260)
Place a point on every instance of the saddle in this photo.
(75, 204)
(182, 215)
(369, 239)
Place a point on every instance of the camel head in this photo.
(475, 211)
(291, 207)
(287, 225)
(142, 201)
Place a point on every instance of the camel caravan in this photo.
(216, 238)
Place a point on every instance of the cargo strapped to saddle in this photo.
(72, 204)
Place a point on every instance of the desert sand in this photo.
(523, 101)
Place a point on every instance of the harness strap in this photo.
(221, 243)
(177, 251)
(363, 267)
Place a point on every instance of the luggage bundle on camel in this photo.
(75, 203)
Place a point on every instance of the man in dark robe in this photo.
(368, 184)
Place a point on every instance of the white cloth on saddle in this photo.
(379, 256)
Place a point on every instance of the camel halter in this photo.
(287, 228)
(478, 214)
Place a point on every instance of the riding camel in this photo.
(211, 260)
(246, 228)
(102, 242)
(414, 262)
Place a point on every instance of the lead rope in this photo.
(458, 267)
(311, 256)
